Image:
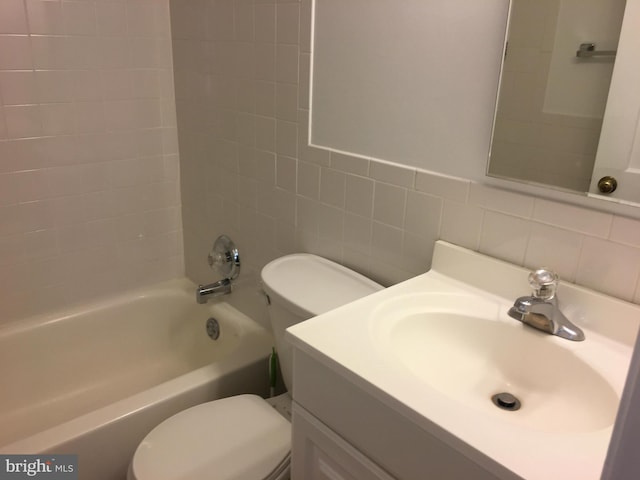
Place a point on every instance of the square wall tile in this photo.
(265, 98)
(357, 232)
(265, 133)
(305, 25)
(313, 155)
(555, 248)
(417, 252)
(141, 18)
(504, 237)
(23, 121)
(58, 119)
(307, 215)
(244, 21)
(145, 83)
(18, 88)
(386, 243)
(330, 223)
(265, 62)
(609, 268)
(350, 163)
(13, 18)
(309, 180)
(332, 187)
(393, 174)
(625, 230)
(287, 63)
(109, 17)
(54, 85)
(422, 214)
(501, 200)
(451, 188)
(359, 196)
(288, 23)
(265, 23)
(461, 224)
(15, 52)
(45, 17)
(287, 102)
(9, 193)
(287, 138)
(389, 204)
(286, 173)
(574, 218)
(3, 130)
(79, 18)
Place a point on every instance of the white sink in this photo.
(468, 349)
(437, 347)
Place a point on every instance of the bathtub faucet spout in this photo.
(221, 287)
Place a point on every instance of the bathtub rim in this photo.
(19, 325)
(254, 347)
(84, 424)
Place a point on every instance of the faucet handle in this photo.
(224, 258)
(544, 283)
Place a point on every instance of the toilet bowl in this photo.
(246, 437)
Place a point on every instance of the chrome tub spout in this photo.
(221, 287)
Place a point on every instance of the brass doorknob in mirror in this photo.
(607, 184)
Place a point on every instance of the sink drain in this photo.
(506, 401)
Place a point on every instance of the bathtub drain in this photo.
(213, 328)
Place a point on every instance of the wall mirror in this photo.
(408, 81)
(568, 107)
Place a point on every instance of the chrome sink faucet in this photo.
(540, 310)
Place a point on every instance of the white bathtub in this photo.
(94, 381)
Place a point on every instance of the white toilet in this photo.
(244, 437)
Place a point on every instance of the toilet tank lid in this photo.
(311, 285)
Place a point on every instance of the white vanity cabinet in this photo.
(321, 454)
(343, 430)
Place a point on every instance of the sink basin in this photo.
(436, 348)
(468, 349)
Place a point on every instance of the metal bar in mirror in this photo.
(588, 50)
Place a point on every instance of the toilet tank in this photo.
(303, 285)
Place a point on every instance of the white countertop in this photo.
(350, 337)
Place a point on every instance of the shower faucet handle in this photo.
(544, 282)
(225, 258)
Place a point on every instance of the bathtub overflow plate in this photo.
(213, 328)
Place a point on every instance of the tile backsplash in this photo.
(242, 94)
(89, 170)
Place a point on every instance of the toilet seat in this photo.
(239, 437)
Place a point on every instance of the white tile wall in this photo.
(379, 218)
(89, 180)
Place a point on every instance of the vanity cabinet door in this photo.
(318, 453)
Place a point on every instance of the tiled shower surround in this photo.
(89, 170)
(242, 94)
(90, 200)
